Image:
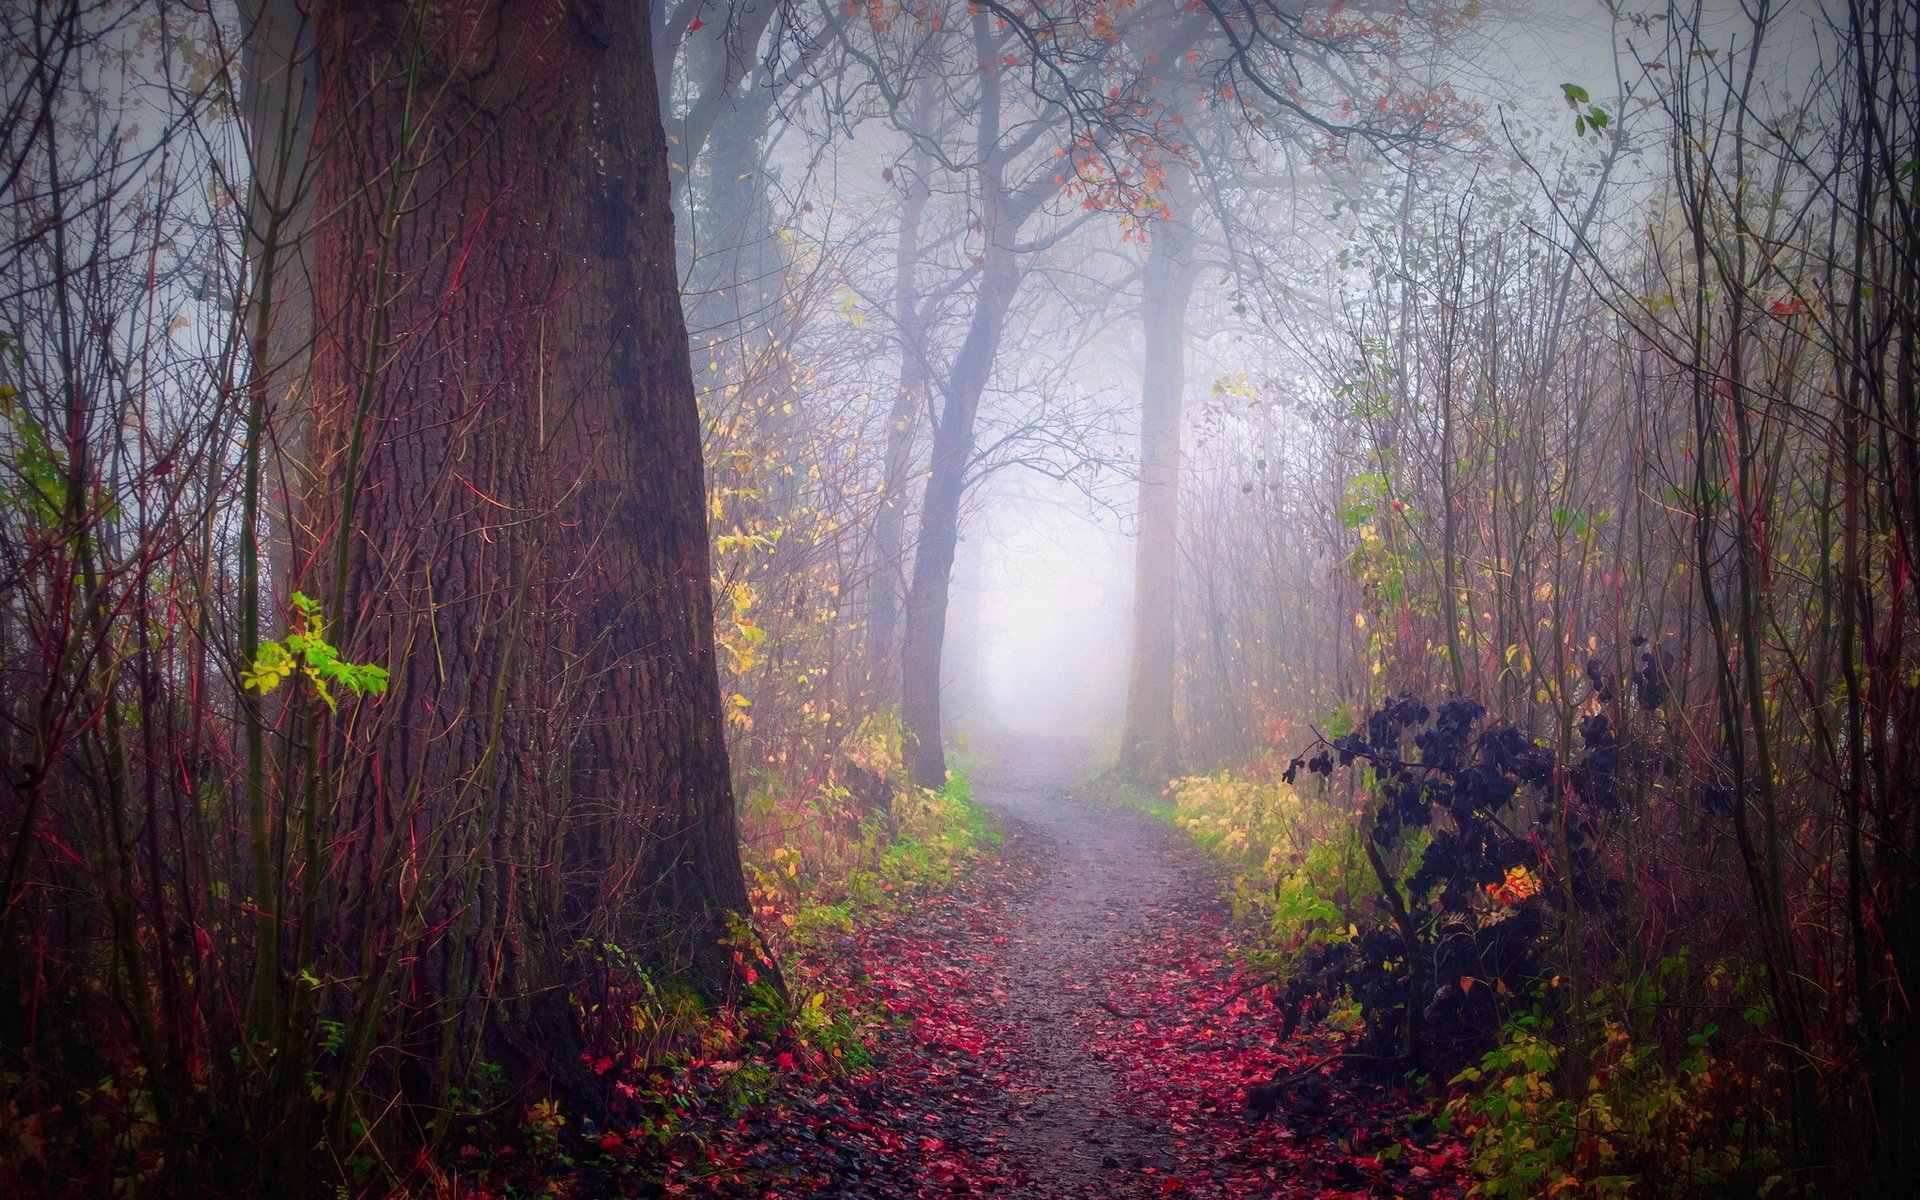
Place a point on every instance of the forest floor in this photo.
(1065, 1022)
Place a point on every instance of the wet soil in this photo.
(1095, 875)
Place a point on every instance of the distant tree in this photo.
(1148, 747)
(1035, 130)
(1222, 80)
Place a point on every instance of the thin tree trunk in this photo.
(279, 99)
(1149, 749)
(888, 583)
(925, 618)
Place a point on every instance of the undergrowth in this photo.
(1293, 861)
(674, 1066)
(1433, 908)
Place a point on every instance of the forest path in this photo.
(1098, 873)
(1066, 1020)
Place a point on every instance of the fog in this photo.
(532, 535)
(1051, 580)
(1043, 607)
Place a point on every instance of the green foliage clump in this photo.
(1294, 857)
(924, 843)
(307, 651)
(1633, 1120)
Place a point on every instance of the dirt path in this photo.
(1066, 1021)
(1098, 872)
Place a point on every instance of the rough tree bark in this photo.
(1149, 749)
(508, 512)
(665, 758)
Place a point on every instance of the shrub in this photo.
(1637, 1122)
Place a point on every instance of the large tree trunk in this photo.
(508, 513)
(663, 747)
(1148, 746)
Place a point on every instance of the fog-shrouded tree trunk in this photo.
(278, 102)
(924, 617)
(924, 624)
(1149, 749)
(507, 511)
(736, 266)
(733, 259)
(888, 584)
(279, 99)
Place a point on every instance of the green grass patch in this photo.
(927, 841)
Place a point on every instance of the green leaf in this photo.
(272, 665)
(307, 649)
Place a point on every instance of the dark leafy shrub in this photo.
(1472, 834)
